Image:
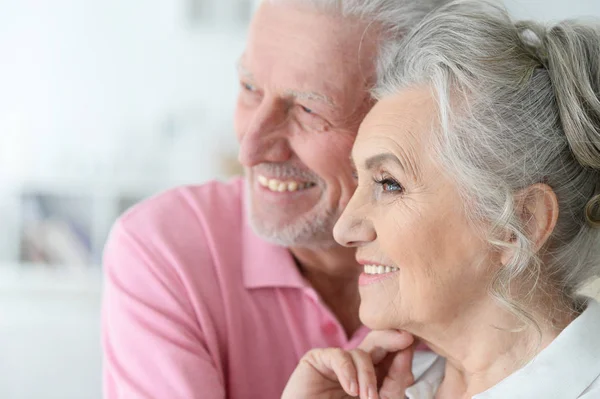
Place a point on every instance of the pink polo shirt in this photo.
(197, 306)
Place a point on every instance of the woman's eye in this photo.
(390, 185)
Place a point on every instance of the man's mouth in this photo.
(281, 186)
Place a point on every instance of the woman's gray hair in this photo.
(518, 105)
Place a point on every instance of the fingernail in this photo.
(353, 388)
(378, 354)
(371, 393)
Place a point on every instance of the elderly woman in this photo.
(477, 214)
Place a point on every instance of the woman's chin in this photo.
(376, 318)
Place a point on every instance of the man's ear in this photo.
(537, 207)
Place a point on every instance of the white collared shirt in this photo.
(568, 368)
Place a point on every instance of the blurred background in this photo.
(102, 104)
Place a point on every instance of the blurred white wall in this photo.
(86, 82)
(83, 84)
(95, 95)
(553, 10)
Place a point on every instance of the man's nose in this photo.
(266, 137)
(354, 228)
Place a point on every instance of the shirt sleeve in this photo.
(153, 345)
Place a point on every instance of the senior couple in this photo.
(420, 208)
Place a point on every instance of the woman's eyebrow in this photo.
(376, 160)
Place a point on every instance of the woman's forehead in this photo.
(403, 119)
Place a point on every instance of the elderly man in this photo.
(218, 290)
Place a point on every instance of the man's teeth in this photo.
(379, 269)
(281, 185)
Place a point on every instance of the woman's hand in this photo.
(383, 359)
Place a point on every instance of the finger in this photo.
(367, 380)
(383, 366)
(399, 376)
(379, 343)
(336, 364)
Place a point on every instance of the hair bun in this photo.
(574, 69)
(592, 212)
(532, 36)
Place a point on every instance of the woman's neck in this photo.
(486, 344)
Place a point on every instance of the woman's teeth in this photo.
(379, 269)
(281, 185)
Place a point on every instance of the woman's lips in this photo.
(373, 273)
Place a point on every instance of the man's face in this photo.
(303, 93)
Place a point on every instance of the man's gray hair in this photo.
(392, 18)
(518, 105)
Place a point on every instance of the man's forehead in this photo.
(305, 54)
(303, 31)
(301, 85)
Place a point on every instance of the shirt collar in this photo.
(428, 370)
(266, 265)
(564, 369)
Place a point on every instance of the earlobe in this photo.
(508, 252)
(506, 255)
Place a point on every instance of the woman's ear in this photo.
(538, 209)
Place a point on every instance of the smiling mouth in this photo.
(281, 186)
(379, 269)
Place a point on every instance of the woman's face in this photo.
(407, 215)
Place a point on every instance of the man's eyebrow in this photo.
(242, 70)
(296, 94)
(310, 95)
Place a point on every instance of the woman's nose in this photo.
(354, 228)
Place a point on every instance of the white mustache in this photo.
(285, 172)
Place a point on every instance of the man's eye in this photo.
(309, 119)
(248, 86)
(306, 109)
